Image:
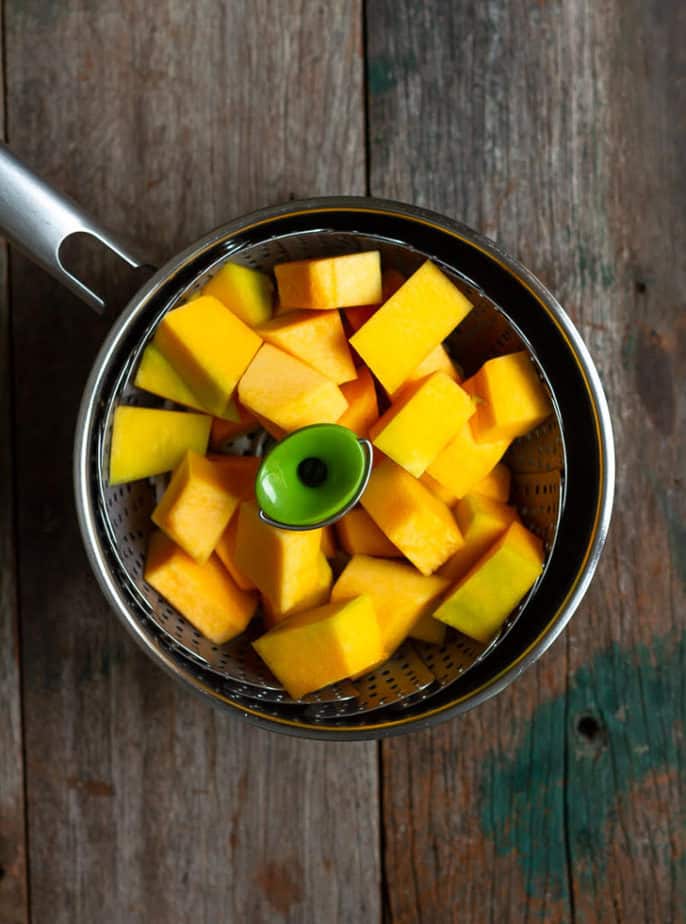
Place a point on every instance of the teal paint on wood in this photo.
(385, 72)
(623, 718)
(676, 532)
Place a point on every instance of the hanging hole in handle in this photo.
(100, 271)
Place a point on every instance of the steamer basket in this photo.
(563, 495)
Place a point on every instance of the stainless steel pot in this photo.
(564, 473)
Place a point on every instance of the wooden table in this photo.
(556, 127)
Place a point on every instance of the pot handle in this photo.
(38, 220)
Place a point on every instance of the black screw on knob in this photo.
(312, 472)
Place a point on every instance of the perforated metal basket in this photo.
(562, 473)
(417, 671)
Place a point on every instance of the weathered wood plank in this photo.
(13, 886)
(145, 805)
(557, 128)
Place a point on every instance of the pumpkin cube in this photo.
(440, 490)
(496, 484)
(310, 650)
(328, 542)
(239, 472)
(481, 601)
(330, 282)
(316, 594)
(196, 506)
(147, 442)
(510, 398)
(438, 360)
(246, 292)
(391, 280)
(226, 553)
(420, 423)
(317, 338)
(209, 347)
(359, 535)
(205, 594)
(415, 521)
(156, 375)
(225, 431)
(277, 432)
(288, 392)
(464, 462)
(401, 595)
(280, 562)
(428, 629)
(412, 323)
(481, 520)
(363, 407)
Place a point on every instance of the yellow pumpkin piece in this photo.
(277, 432)
(280, 562)
(205, 594)
(419, 424)
(317, 594)
(438, 360)
(428, 629)
(225, 431)
(330, 282)
(156, 375)
(147, 441)
(363, 407)
(328, 542)
(481, 520)
(226, 553)
(196, 506)
(288, 392)
(415, 521)
(440, 490)
(246, 292)
(209, 347)
(391, 280)
(496, 484)
(479, 603)
(510, 397)
(412, 323)
(464, 462)
(359, 535)
(310, 650)
(239, 473)
(401, 595)
(317, 338)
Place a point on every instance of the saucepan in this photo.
(563, 474)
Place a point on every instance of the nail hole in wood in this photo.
(588, 727)
(641, 287)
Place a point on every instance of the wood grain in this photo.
(145, 805)
(557, 128)
(13, 884)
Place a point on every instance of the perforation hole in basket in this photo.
(448, 661)
(537, 497)
(402, 675)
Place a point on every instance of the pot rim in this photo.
(86, 502)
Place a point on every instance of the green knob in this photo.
(313, 476)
